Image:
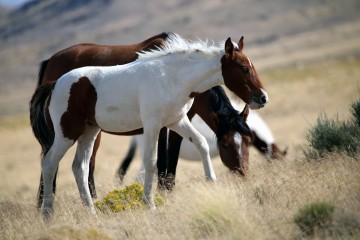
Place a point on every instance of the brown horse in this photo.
(100, 55)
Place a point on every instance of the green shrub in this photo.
(330, 135)
(324, 135)
(128, 198)
(315, 216)
(355, 110)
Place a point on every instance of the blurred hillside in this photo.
(277, 33)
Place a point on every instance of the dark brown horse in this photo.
(100, 55)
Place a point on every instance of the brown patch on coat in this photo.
(81, 109)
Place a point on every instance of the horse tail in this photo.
(42, 69)
(127, 160)
(42, 130)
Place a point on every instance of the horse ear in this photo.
(229, 47)
(245, 112)
(241, 43)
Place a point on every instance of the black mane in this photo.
(229, 118)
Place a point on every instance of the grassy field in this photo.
(262, 206)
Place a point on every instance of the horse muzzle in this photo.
(259, 101)
(240, 172)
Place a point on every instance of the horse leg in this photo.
(127, 160)
(80, 166)
(187, 130)
(174, 144)
(40, 195)
(140, 141)
(91, 180)
(49, 166)
(162, 158)
(151, 134)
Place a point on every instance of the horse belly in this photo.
(119, 113)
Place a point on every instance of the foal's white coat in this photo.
(149, 93)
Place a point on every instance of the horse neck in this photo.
(221, 106)
(202, 72)
(229, 118)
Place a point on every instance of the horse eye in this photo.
(223, 145)
(246, 70)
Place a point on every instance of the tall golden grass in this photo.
(262, 206)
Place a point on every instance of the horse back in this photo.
(87, 54)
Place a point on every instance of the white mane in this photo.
(176, 44)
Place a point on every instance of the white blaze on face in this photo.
(238, 141)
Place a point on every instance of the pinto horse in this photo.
(86, 54)
(103, 55)
(154, 91)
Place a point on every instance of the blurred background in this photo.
(277, 33)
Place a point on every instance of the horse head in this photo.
(240, 75)
(234, 136)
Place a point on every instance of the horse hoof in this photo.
(211, 178)
(149, 202)
(150, 206)
(93, 211)
(47, 213)
(166, 183)
(170, 183)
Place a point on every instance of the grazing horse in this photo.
(103, 55)
(262, 139)
(154, 91)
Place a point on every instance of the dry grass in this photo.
(261, 206)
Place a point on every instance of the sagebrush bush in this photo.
(355, 110)
(314, 216)
(330, 135)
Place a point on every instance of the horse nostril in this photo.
(263, 99)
